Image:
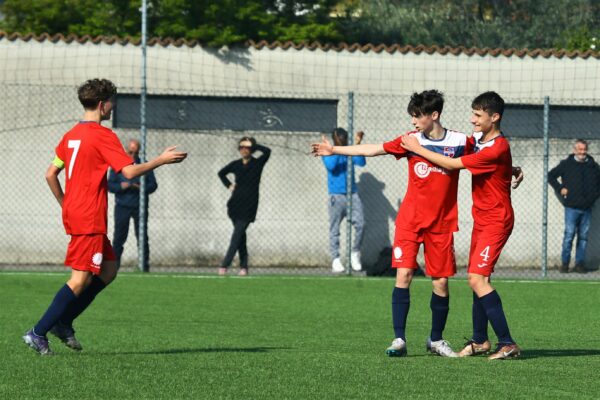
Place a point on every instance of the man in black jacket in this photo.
(127, 205)
(243, 203)
(577, 190)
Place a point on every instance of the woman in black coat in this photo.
(243, 203)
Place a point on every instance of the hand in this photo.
(125, 185)
(231, 187)
(170, 156)
(517, 172)
(411, 143)
(564, 192)
(135, 186)
(322, 149)
(359, 137)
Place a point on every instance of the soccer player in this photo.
(428, 215)
(490, 162)
(85, 153)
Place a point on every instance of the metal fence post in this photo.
(545, 189)
(349, 179)
(142, 224)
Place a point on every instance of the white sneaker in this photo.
(337, 266)
(355, 261)
(440, 347)
(397, 349)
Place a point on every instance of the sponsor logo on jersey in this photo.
(422, 170)
(449, 151)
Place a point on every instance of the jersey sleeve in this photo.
(59, 150)
(394, 147)
(484, 161)
(113, 153)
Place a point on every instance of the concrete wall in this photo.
(188, 218)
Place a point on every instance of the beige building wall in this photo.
(188, 218)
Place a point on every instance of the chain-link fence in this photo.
(189, 226)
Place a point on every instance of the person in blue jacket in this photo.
(127, 205)
(337, 167)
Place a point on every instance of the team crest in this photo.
(97, 259)
(397, 253)
(449, 151)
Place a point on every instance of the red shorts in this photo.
(87, 252)
(485, 251)
(439, 252)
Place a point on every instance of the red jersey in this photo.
(430, 200)
(491, 166)
(87, 151)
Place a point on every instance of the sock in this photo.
(439, 315)
(400, 307)
(84, 300)
(64, 297)
(480, 321)
(493, 308)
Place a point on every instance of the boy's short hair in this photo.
(94, 91)
(340, 137)
(425, 103)
(490, 102)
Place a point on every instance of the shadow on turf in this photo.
(203, 350)
(538, 353)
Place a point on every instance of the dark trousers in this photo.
(122, 217)
(237, 244)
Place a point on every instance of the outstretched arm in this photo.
(169, 156)
(326, 149)
(411, 143)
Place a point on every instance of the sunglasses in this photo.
(244, 147)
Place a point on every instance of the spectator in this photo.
(337, 168)
(243, 203)
(127, 205)
(577, 190)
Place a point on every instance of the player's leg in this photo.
(122, 215)
(135, 214)
(358, 220)
(569, 234)
(404, 260)
(36, 337)
(583, 227)
(337, 212)
(481, 264)
(440, 265)
(98, 282)
(479, 342)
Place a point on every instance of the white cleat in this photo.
(337, 266)
(355, 261)
(397, 349)
(441, 348)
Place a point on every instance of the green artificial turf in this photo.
(155, 336)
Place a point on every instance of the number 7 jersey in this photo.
(86, 152)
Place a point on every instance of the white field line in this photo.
(304, 278)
